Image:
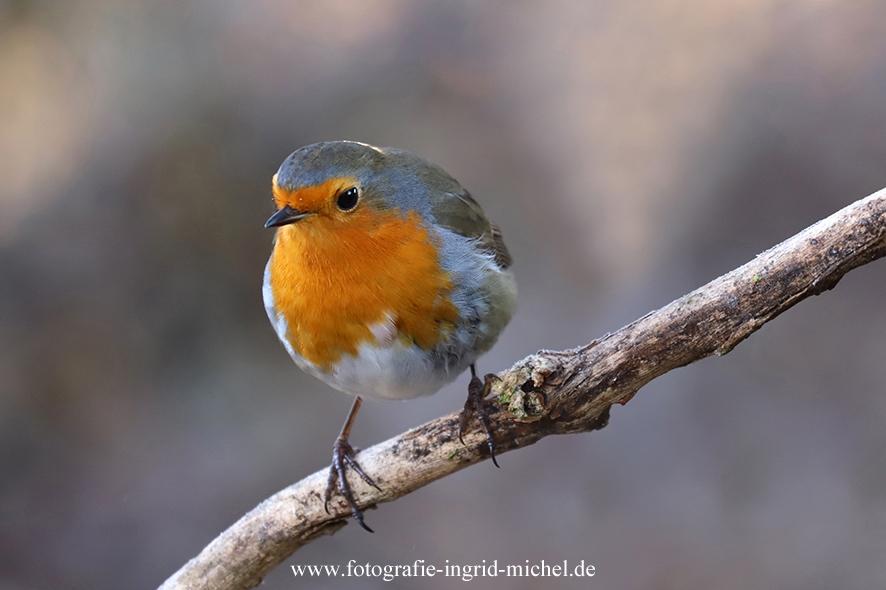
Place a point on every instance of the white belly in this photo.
(392, 372)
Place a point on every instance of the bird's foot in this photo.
(476, 403)
(343, 457)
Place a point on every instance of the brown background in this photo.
(630, 151)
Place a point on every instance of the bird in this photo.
(385, 280)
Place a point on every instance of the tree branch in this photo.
(556, 392)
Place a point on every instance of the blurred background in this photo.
(630, 151)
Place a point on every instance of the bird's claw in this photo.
(342, 458)
(477, 392)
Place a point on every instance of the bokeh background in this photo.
(631, 151)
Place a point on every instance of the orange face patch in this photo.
(314, 199)
(334, 277)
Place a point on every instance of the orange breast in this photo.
(332, 279)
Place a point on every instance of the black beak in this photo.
(285, 216)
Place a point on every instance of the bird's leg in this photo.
(477, 392)
(342, 458)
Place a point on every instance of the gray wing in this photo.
(452, 206)
(464, 216)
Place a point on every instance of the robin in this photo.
(386, 280)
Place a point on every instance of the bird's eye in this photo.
(348, 199)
